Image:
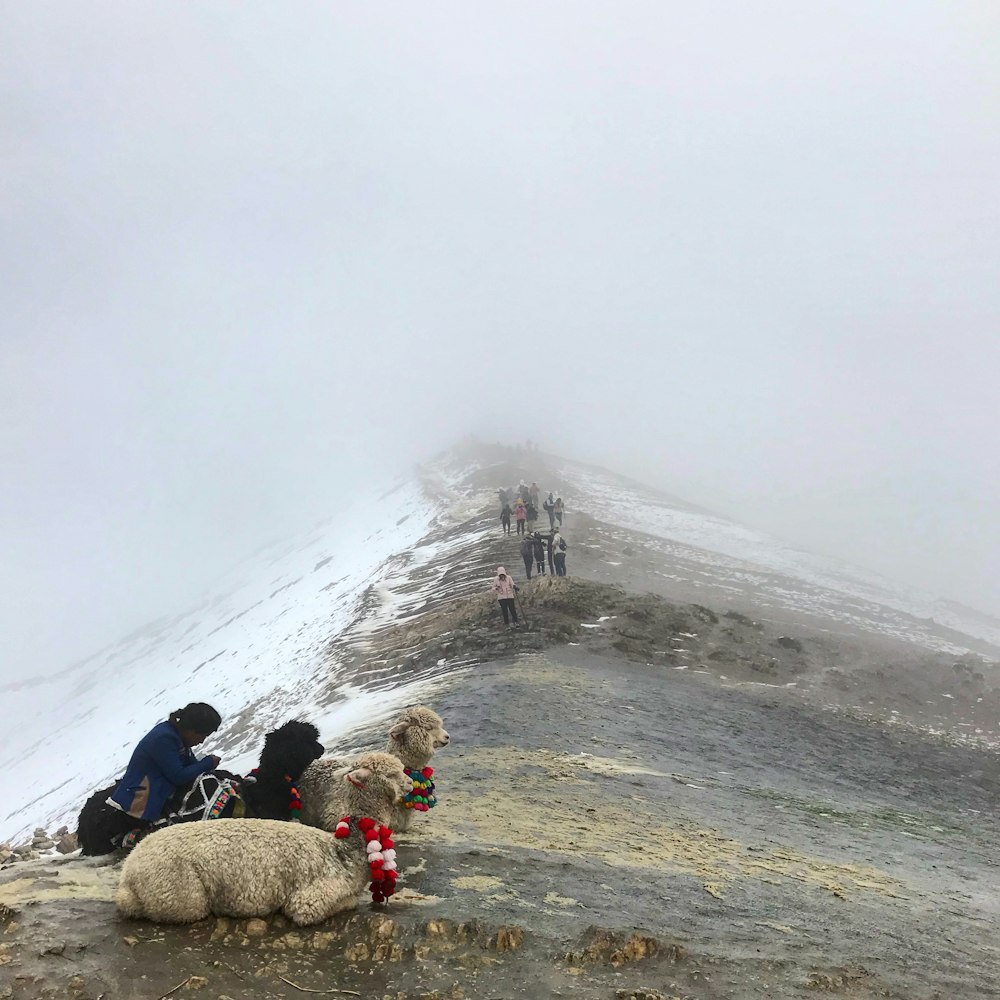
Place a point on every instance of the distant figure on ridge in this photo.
(533, 494)
(550, 508)
(558, 548)
(505, 518)
(559, 510)
(521, 514)
(538, 546)
(532, 516)
(504, 588)
(528, 555)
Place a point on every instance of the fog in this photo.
(258, 258)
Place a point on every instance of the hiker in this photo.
(528, 555)
(523, 492)
(559, 549)
(538, 546)
(504, 588)
(162, 762)
(520, 514)
(548, 536)
(532, 516)
(533, 494)
(505, 518)
(550, 508)
(559, 509)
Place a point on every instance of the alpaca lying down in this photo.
(252, 868)
(413, 738)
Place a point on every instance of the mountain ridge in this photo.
(298, 626)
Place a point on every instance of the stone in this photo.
(67, 843)
(62, 831)
(508, 939)
(256, 927)
(196, 983)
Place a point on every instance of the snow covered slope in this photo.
(267, 640)
(769, 573)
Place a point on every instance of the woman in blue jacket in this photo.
(163, 762)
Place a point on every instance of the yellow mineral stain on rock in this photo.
(573, 815)
(68, 883)
(554, 899)
(417, 898)
(477, 883)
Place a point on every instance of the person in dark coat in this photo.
(163, 761)
(549, 506)
(532, 516)
(528, 555)
(538, 547)
(558, 547)
(505, 518)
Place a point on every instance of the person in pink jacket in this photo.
(521, 513)
(505, 589)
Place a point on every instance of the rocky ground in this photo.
(635, 804)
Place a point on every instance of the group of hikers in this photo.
(522, 506)
(538, 549)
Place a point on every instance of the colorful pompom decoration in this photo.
(421, 797)
(381, 856)
(294, 802)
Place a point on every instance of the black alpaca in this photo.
(266, 794)
(287, 752)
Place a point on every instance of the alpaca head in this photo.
(290, 749)
(416, 735)
(375, 783)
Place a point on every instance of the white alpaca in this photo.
(413, 738)
(252, 868)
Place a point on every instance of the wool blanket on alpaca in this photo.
(212, 795)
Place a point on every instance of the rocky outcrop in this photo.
(41, 844)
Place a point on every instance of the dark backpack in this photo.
(562, 544)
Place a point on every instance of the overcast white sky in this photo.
(254, 256)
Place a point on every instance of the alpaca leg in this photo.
(129, 904)
(316, 902)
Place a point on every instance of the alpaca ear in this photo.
(358, 777)
(398, 729)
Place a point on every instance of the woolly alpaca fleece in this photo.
(413, 738)
(252, 868)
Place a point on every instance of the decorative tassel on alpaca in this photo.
(294, 802)
(381, 855)
(422, 796)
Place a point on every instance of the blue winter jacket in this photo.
(159, 766)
